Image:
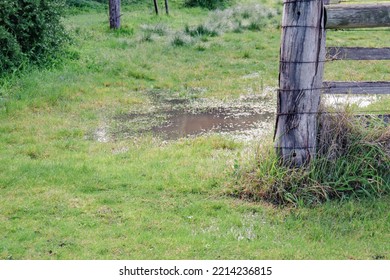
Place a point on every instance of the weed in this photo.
(235, 19)
(147, 37)
(201, 47)
(180, 39)
(255, 26)
(352, 161)
(123, 31)
(246, 54)
(160, 29)
(200, 30)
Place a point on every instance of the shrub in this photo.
(83, 3)
(10, 54)
(208, 4)
(97, 3)
(31, 28)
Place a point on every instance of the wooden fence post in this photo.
(155, 6)
(166, 7)
(302, 57)
(115, 13)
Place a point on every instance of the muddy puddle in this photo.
(167, 117)
(172, 120)
(217, 120)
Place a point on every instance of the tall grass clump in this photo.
(153, 32)
(234, 19)
(159, 29)
(180, 39)
(353, 161)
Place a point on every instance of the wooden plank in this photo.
(341, 53)
(382, 87)
(357, 16)
(302, 56)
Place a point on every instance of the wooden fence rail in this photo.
(356, 87)
(302, 57)
(358, 16)
(344, 53)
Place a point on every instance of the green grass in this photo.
(353, 161)
(65, 195)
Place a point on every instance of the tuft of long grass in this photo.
(353, 161)
(200, 30)
(160, 29)
(236, 19)
(181, 39)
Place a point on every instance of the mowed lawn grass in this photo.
(65, 195)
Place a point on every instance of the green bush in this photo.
(84, 3)
(208, 4)
(10, 54)
(30, 28)
(97, 3)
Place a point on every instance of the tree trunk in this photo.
(115, 13)
(166, 7)
(302, 57)
(155, 6)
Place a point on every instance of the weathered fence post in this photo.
(115, 13)
(155, 6)
(302, 57)
(166, 7)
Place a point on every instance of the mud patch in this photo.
(247, 117)
(101, 134)
(217, 120)
(172, 115)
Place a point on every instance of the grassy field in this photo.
(66, 195)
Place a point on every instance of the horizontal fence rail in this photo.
(343, 53)
(356, 87)
(357, 16)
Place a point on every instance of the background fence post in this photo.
(115, 13)
(155, 6)
(302, 58)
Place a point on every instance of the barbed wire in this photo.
(382, 29)
(362, 1)
(327, 87)
(359, 113)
